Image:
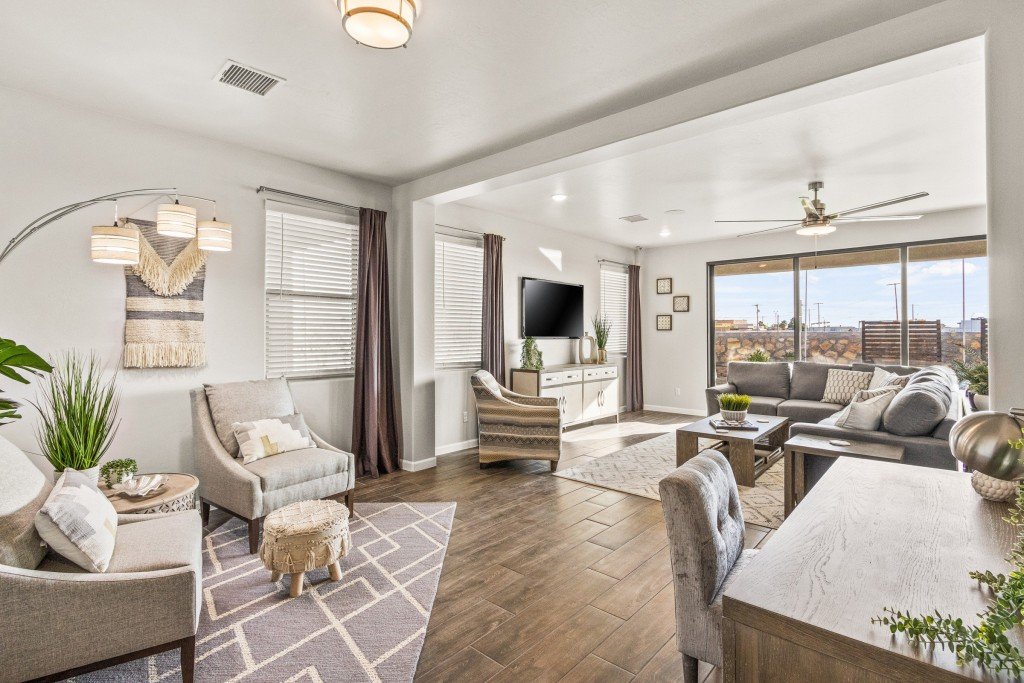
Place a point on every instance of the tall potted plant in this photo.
(602, 326)
(79, 415)
(16, 361)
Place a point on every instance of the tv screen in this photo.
(552, 309)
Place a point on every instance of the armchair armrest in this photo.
(223, 481)
(712, 393)
(320, 443)
(523, 399)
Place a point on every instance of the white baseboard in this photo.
(678, 411)
(417, 465)
(456, 447)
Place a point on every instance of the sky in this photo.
(849, 295)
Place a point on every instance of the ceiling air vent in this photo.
(247, 78)
(635, 218)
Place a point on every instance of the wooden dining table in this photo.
(869, 535)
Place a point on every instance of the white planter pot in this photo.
(93, 473)
(980, 401)
(734, 415)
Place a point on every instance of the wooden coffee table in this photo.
(177, 493)
(740, 446)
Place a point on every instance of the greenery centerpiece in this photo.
(17, 361)
(734, 406)
(986, 643)
(117, 471)
(975, 376)
(759, 355)
(531, 358)
(602, 326)
(78, 412)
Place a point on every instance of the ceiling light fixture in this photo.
(559, 197)
(383, 24)
(664, 232)
(816, 229)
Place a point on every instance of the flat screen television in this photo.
(551, 310)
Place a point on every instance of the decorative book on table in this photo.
(745, 425)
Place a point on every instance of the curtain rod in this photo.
(261, 189)
(475, 232)
(608, 260)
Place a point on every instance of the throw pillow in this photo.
(898, 381)
(78, 522)
(842, 385)
(866, 409)
(880, 378)
(262, 438)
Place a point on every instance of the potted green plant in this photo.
(602, 326)
(15, 361)
(734, 406)
(975, 376)
(117, 471)
(78, 412)
(531, 358)
(759, 355)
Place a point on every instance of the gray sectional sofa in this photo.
(919, 418)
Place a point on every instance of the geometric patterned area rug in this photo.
(367, 627)
(637, 469)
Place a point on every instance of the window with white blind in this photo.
(311, 272)
(458, 301)
(615, 304)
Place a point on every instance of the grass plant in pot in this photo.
(734, 406)
(602, 326)
(78, 410)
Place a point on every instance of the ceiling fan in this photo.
(817, 222)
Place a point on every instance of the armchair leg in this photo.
(204, 510)
(689, 669)
(254, 536)
(554, 465)
(350, 501)
(188, 659)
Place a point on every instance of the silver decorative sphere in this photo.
(982, 441)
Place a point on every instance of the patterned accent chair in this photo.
(61, 621)
(251, 492)
(513, 426)
(705, 533)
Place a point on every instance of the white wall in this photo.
(570, 258)
(678, 359)
(54, 298)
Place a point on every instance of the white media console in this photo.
(585, 392)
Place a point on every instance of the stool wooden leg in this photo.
(275, 577)
(335, 570)
(297, 584)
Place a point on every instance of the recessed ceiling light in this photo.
(559, 197)
(664, 232)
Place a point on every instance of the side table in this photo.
(177, 493)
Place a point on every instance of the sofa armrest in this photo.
(711, 394)
(223, 481)
(55, 621)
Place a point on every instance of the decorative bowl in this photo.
(139, 486)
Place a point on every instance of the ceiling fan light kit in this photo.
(381, 24)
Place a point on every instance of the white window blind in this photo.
(311, 271)
(458, 301)
(614, 304)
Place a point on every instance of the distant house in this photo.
(733, 325)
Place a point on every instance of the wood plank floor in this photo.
(548, 579)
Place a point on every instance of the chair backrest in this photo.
(23, 490)
(705, 527)
(244, 402)
(484, 385)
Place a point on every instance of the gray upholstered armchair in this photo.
(513, 426)
(705, 533)
(61, 621)
(251, 492)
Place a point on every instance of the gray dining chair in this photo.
(705, 533)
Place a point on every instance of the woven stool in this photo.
(304, 536)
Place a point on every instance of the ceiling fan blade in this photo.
(763, 220)
(878, 205)
(809, 208)
(862, 219)
(781, 227)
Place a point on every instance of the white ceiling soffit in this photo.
(477, 77)
(926, 133)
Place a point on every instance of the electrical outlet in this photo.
(465, 416)
(678, 392)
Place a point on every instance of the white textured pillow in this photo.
(262, 438)
(880, 378)
(866, 409)
(842, 385)
(78, 522)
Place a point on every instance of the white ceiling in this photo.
(478, 77)
(923, 134)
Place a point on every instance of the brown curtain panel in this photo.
(634, 354)
(375, 414)
(492, 352)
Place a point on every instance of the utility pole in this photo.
(818, 304)
(757, 316)
(896, 297)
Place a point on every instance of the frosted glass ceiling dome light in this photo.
(214, 235)
(816, 230)
(113, 244)
(559, 197)
(176, 220)
(383, 24)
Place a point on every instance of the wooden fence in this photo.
(880, 341)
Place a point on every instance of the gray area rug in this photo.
(367, 627)
(637, 469)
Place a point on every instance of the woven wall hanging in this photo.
(163, 325)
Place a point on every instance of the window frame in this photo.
(441, 237)
(904, 249)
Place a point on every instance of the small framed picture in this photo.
(664, 285)
(681, 304)
(664, 323)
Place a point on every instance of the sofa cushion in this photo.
(799, 410)
(244, 402)
(23, 490)
(808, 383)
(842, 385)
(764, 405)
(760, 379)
(298, 467)
(919, 408)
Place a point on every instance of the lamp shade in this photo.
(214, 235)
(384, 24)
(113, 244)
(176, 220)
